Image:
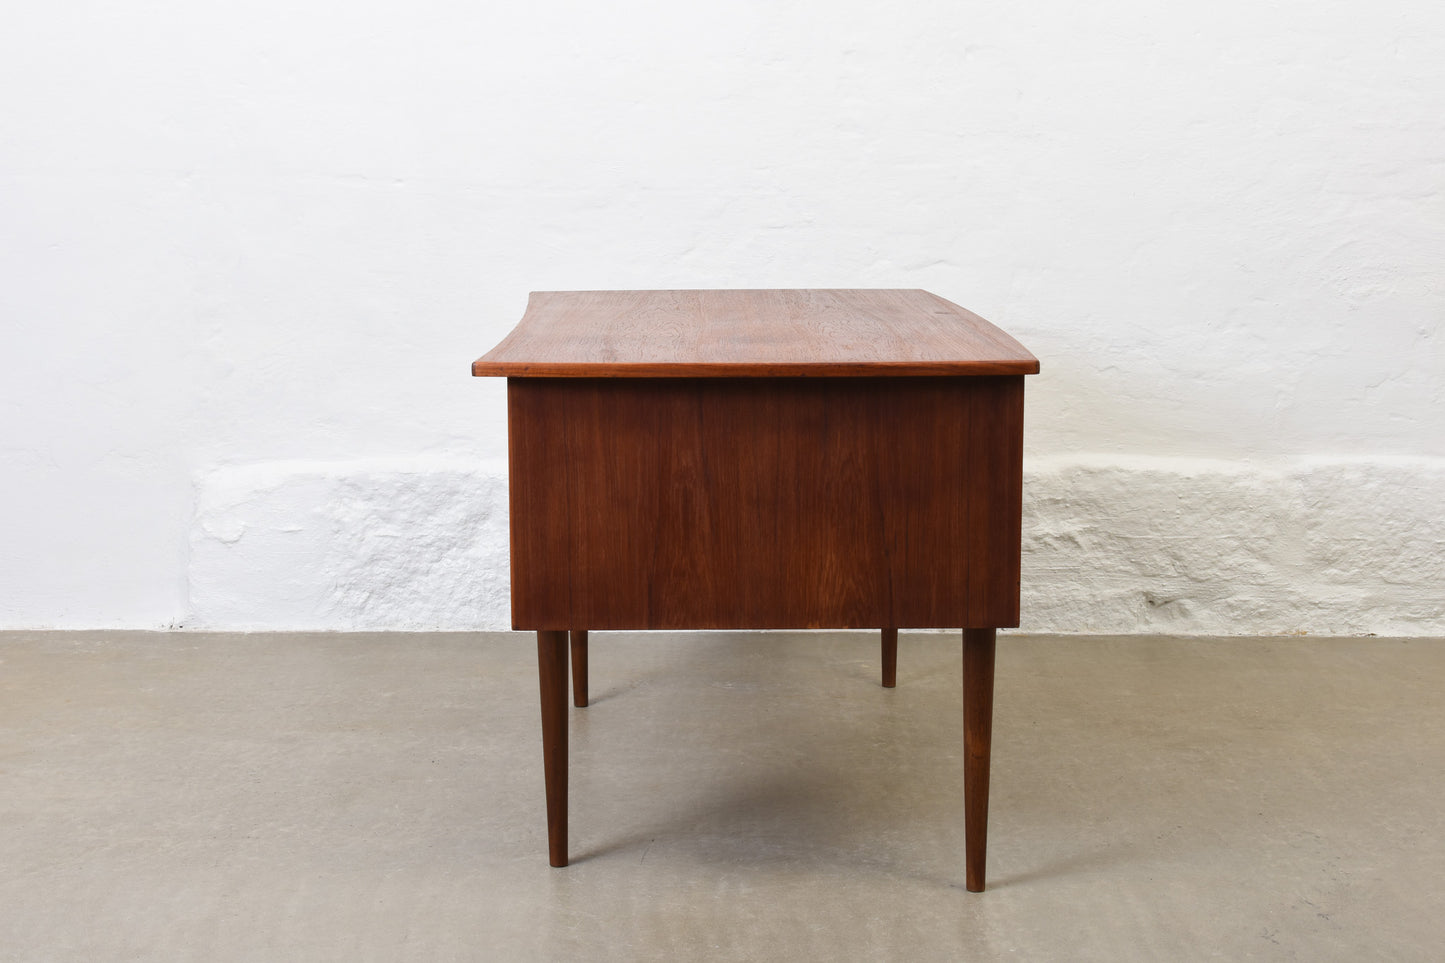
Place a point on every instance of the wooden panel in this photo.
(785, 333)
(926, 480)
(765, 503)
(996, 462)
(539, 516)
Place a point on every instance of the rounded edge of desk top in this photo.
(831, 333)
(823, 369)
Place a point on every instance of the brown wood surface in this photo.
(765, 503)
(978, 659)
(725, 334)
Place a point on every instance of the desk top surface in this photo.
(731, 334)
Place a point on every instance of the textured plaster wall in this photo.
(1111, 544)
(248, 253)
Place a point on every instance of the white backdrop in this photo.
(249, 251)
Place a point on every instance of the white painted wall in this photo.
(247, 253)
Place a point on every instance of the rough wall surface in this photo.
(1317, 547)
(416, 545)
(236, 238)
(1143, 545)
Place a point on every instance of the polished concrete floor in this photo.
(734, 797)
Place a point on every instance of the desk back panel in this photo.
(765, 502)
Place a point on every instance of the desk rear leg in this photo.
(579, 668)
(890, 658)
(552, 671)
(978, 652)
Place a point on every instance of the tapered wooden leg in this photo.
(579, 668)
(978, 651)
(552, 670)
(890, 658)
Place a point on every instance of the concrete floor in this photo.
(734, 797)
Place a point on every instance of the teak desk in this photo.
(763, 460)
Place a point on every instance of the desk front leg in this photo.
(978, 652)
(552, 671)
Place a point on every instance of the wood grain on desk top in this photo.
(784, 333)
